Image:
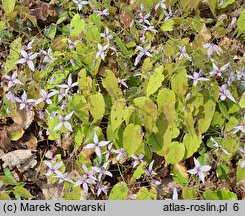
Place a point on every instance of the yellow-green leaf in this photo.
(119, 191)
(166, 104)
(132, 139)
(167, 25)
(13, 56)
(155, 81)
(21, 191)
(96, 106)
(8, 5)
(117, 112)
(242, 101)
(77, 25)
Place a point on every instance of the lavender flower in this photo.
(47, 56)
(105, 12)
(199, 170)
(168, 14)
(63, 177)
(86, 179)
(101, 51)
(122, 82)
(196, 78)
(69, 85)
(183, 53)
(109, 151)
(161, 4)
(97, 145)
(24, 102)
(121, 154)
(143, 51)
(102, 170)
(45, 97)
(144, 18)
(28, 46)
(212, 48)
(53, 168)
(225, 93)
(137, 159)
(240, 127)
(218, 71)
(64, 121)
(80, 3)
(175, 195)
(149, 172)
(12, 80)
(107, 34)
(27, 59)
(243, 151)
(102, 188)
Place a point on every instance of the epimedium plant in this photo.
(131, 82)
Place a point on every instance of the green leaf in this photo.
(119, 191)
(138, 172)
(132, 139)
(227, 3)
(79, 105)
(93, 34)
(155, 81)
(205, 117)
(96, 106)
(222, 171)
(189, 4)
(167, 25)
(242, 101)
(174, 152)
(191, 143)
(145, 194)
(166, 103)
(77, 25)
(8, 5)
(241, 22)
(22, 192)
(16, 135)
(13, 56)
(231, 124)
(189, 193)
(240, 173)
(8, 173)
(219, 195)
(71, 192)
(78, 137)
(51, 32)
(117, 112)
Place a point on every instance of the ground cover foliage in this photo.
(122, 99)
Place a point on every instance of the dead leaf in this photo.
(181, 168)
(24, 118)
(31, 143)
(42, 11)
(205, 33)
(4, 141)
(22, 159)
(66, 142)
(52, 191)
